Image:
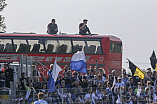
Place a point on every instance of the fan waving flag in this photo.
(153, 61)
(135, 70)
(78, 62)
(53, 77)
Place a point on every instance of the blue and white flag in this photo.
(78, 62)
(53, 77)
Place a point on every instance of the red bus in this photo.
(107, 50)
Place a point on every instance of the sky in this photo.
(133, 21)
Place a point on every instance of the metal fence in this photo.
(79, 95)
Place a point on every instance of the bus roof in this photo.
(111, 37)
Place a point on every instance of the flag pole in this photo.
(96, 67)
(149, 78)
(121, 87)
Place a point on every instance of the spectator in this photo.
(67, 80)
(19, 98)
(69, 74)
(30, 91)
(29, 80)
(52, 27)
(66, 96)
(124, 90)
(88, 96)
(84, 83)
(73, 95)
(109, 87)
(154, 78)
(2, 80)
(44, 90)
(102, 73)
(124, 72)
(75, 83)
(110, 78)
(147, 77)
(74, 77)
(66, 68)
(37, 84)
(141, 98)
(49, 72)
(9, 75)
(44, 81)
(35, 71)
(136, 79)
(63, 84)
(55, 98)
(113, 74)
(119, 83)
(149, 84)
(88, 73)
(130, 97)
(130, 84)
(49, 98)
(20, 89)
(59, 79)
(22, 80)
(125, 79)
(41, 99)
(149, 95)
(83, 29)
(80, 94)
(80, 76)
(91, 73)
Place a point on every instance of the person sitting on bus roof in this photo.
(83, 29)
(52, 28)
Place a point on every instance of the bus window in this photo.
(20, 45)
(78, 45)
(6, 45)
(115, 47)
(64, 46)
(94, 47)
(91, 47)
(59, 46)
(36, 45)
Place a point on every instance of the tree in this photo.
(2, 19)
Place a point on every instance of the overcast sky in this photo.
(133, 21)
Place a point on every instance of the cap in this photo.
(85, 20)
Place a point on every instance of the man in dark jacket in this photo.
(83, 29)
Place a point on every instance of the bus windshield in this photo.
(115, 47)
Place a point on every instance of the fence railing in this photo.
(90, 95)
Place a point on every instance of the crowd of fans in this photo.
(75, 88)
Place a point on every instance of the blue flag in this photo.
(53, 77)
(78, 62)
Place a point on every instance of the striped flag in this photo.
(135, 70)
(153, 61)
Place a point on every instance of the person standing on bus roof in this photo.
(52, 27)
(83, 29)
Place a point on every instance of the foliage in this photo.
(2, 19)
